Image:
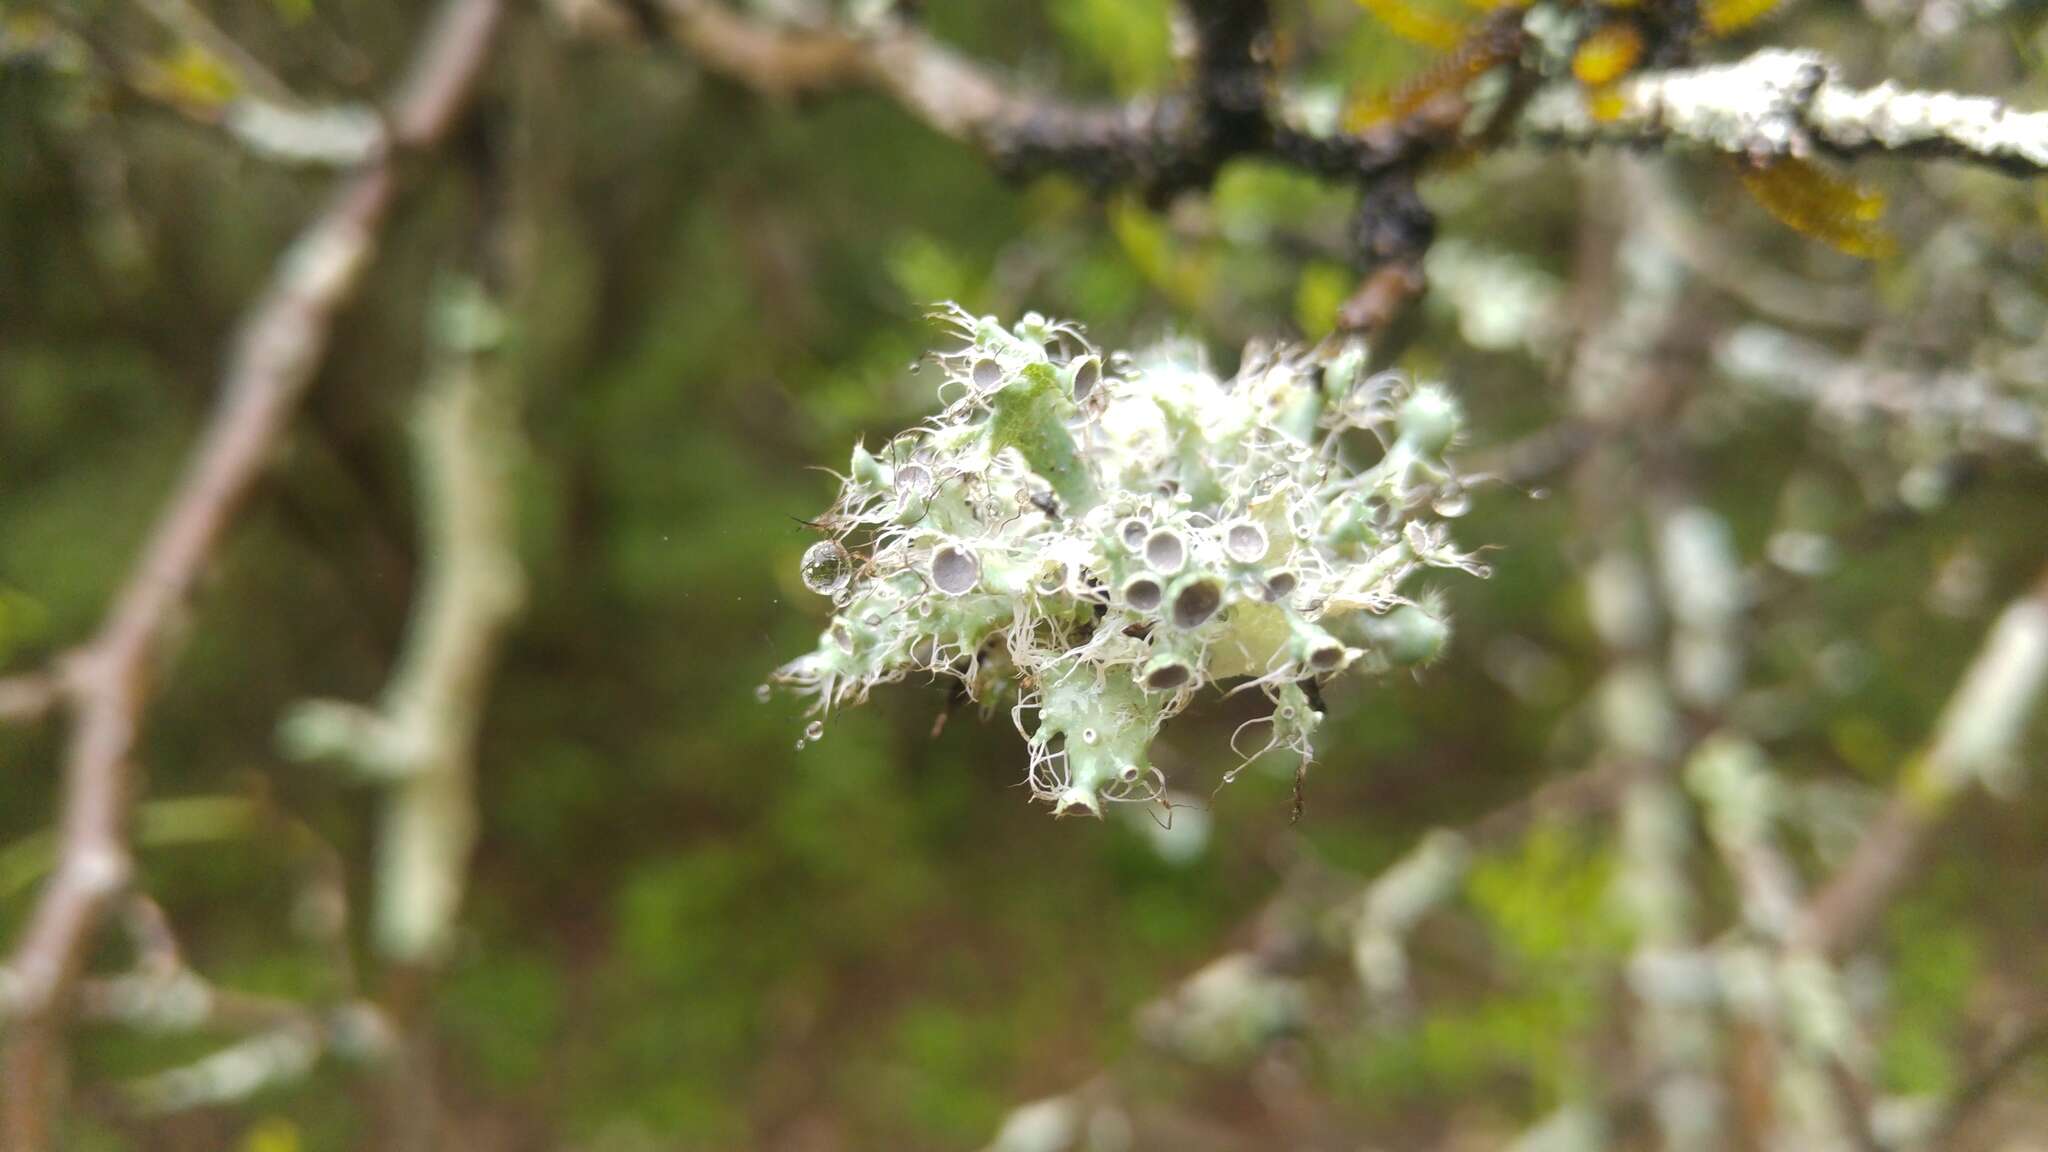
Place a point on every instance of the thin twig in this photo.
(27, 698)
(2011, 1051)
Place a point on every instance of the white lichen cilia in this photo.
(1092, 539)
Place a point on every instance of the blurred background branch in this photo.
(107, 681)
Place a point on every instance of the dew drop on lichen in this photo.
(815, 730)
(1451, 502)
(762, 692)
(827, 569)
(913, 480)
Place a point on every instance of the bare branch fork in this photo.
(1159, 145)
(106, 684)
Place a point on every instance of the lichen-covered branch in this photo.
(107, 682)
(1786, 102)
(1974, 744)
(1777, 102)
(1966, 403)
(421, 741)
(280, 1038)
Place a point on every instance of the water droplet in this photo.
(1451, 502)
(799, 744)
(913, 480)
(1089, 736)
(815, 730)
(762, 692)
(827, 569)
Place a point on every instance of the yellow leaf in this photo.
(275, 1134)
(193, 77)
(1321, 291)
(1607, 54)
(1449, 74)
(1416, 24)
(1723, 17)
(1827, 207)
(1606, 104)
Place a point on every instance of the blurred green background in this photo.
(684, 933)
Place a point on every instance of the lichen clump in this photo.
(1093, 539)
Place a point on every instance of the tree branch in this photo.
(422, 740)
(1160, 145)
(24, 699)
(1784, 102)
(1777, 102)
(107, 682)
(1977, 735)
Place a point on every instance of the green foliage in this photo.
(1936, 962)
(1126, 40)
(504, 1015)
(1548, 901)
